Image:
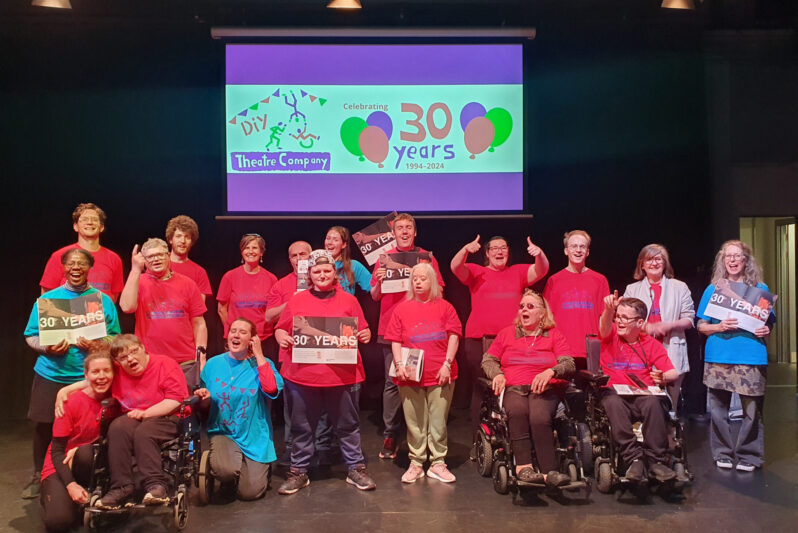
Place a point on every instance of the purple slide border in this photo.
(314, 64)
(324, 193)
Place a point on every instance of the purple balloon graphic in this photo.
(469, 112)
(382, 121)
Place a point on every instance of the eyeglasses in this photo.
(498, 248)
(523, 306)
(152, 257)
(654, 260)
(626, 319)
(733, 257)
(123, 358)
(577, 246)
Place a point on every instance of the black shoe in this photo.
(360, 478)
(115, 498)
(294, 481)
(557, 479)
(661, 472)
(528, 475)
(156, 495)
(636, 471)
(33, 487)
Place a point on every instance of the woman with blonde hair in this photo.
(670, 308)
(735, 361)
(428, 322)
(532, 360)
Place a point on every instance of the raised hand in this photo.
(532, 248)
(473, 246)
(611, 301)
(137, 259)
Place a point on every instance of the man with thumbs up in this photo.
(495, 293)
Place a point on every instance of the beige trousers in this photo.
(426, 410)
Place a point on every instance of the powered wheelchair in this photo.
(180, 458)
(598, 451)
(494, 450)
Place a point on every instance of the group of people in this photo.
(528, 344)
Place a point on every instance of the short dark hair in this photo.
(253, 330)
(639, 306)
(85, 253)
(183, 223)
(83, 207)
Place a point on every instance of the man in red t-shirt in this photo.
(575, 295)
(182, 234)
(404, 229)
(630, 357)
(88, 221)
(168, 308)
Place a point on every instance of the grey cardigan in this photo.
(675, 303)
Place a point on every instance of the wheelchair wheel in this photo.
(501, 482)
(204, 479)
(603, 473)
(584, 447)
(484, 454)
(572, 473)
(180, 511)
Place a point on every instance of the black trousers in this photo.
(623, 411)
(532, 414)
(59, 512)
(142, 439)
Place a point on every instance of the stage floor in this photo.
(766, 500)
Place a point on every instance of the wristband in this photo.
(448, 364)
(398, 364)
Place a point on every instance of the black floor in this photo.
(766, 500)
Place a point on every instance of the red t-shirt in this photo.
(426, 326)
(389, 301)
(655, 313)
(80, 424)
(319, 375)
(619, 359)
(164, 315)
(494, 298)
(246, 297)
(576, 301)
(192, 270)
(282, 290)
(163, 379)
(105, 275)
(523, 358)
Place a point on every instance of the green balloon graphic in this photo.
(350, 135)
(502, 124)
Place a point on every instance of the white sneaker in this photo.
(441, 473)
(742, 466)
(413, 474)
(724, 463)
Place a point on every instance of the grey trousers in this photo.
(750, 443)
(230, 465)
(391, 402)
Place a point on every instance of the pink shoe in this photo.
(413, 474)
(441, 473)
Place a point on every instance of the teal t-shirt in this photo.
(362, 276)
(68, 368)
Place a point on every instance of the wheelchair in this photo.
(598, 450)
(180, 459)
(494, 449)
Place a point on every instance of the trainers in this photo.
(724, 463)
(661, 472)
(115, 498)
(742, 466)
(441, 473)
(33, 487)
(360, 478)
(156, 495)
(413, 474)
(636, 471)
(528, 475)
(388, 449)
(294, 480)
(557, 479)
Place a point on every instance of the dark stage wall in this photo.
(129, 117)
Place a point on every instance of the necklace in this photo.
(230, 368)
(534, 339)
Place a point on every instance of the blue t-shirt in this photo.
(238, 405)
(737, 347)
(68, 368)
(362, 276)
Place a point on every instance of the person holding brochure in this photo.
(235, 387)
(311, 388)
(427, 322)
(351, 272)
(404, 229)
(670, 309)
(531, 362)
(633, 359)
(495, 290)
(67, 467)
(62, 363)
(243, 291)
(182, 234)
(735, 361)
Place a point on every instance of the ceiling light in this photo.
(345, 4)
(60, 4)
(678, 4)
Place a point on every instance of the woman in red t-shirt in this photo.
(243, 290)
(495, 291)
(67, 466)
(427, 322)
(312, 388)
(531, 359)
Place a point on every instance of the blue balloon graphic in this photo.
(382, 121)
(470, 112)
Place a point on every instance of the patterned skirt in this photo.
(748, 380)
